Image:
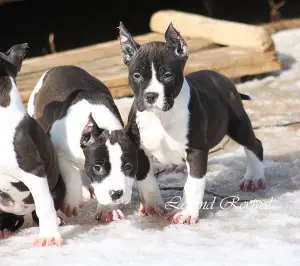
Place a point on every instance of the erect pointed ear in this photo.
(175, 41)
(16, 54)
(90, 133)
(129, 47)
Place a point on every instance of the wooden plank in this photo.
(215, 30)
(230, 61)
(85, 55)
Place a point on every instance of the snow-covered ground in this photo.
(266, 234)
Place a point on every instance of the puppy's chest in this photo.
(165, 137)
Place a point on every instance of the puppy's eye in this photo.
(168, 75)
(98, 169)
(137, 76)
(128, 166)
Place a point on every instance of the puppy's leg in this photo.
(45, 210)
(151, 200)
(58, 195)
(73, 183)
(242, 133)
(9, 223)
(193, 189)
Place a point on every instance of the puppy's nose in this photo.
(115, 194)
(151, 97)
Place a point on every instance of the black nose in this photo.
(151, 97)
(115, 194)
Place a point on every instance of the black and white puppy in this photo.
(177, 118)
(78, 112)
(28, 163)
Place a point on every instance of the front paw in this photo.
(70, 209)
(48, 241)
(183, 217)
(152, 208)
(106, 214)
(251, 184)
(5, 233)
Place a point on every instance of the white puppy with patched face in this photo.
(78, 112)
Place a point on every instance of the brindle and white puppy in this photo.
(78, 112)
(178, 119)
(28, 162)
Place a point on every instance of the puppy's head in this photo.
(110, 163)
(11, 61)
(155, 68)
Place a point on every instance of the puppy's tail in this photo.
(245, 97)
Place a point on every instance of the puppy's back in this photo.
(63, 86)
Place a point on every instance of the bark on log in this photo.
(218, 31)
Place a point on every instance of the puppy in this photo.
(28, 162)
(78, 112)
(178, 119)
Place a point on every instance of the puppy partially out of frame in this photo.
(29, 173)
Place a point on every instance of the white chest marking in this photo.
(164, 134)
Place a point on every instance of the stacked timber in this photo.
(233, 49)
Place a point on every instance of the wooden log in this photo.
(85, 55)
(230, 61)
(283, 24)
(218, 31)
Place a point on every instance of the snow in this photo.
(263, 235)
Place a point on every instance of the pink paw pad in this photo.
(150, 210)
(105, 217)
(5, 233)
(182, 218)
(69, 211)
(175, 169)
(252, 185)
(47, 241)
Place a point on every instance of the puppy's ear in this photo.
(90, 133)
(16, 54)
(176, 42)
(12, 59)
(129, 47)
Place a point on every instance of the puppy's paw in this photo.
(183, 217)
(108, 213)
(152, 208)
(48, 241)
(70, 209)
(4, 233)
(172, 168)
(250, 184)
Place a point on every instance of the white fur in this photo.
(156, 87)
(193, 194)
(116, 180)
(149, 190)
(30, 105)
(164, 134)
(11, 116)
(66, 134)
(18, 207)
(255, 167)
